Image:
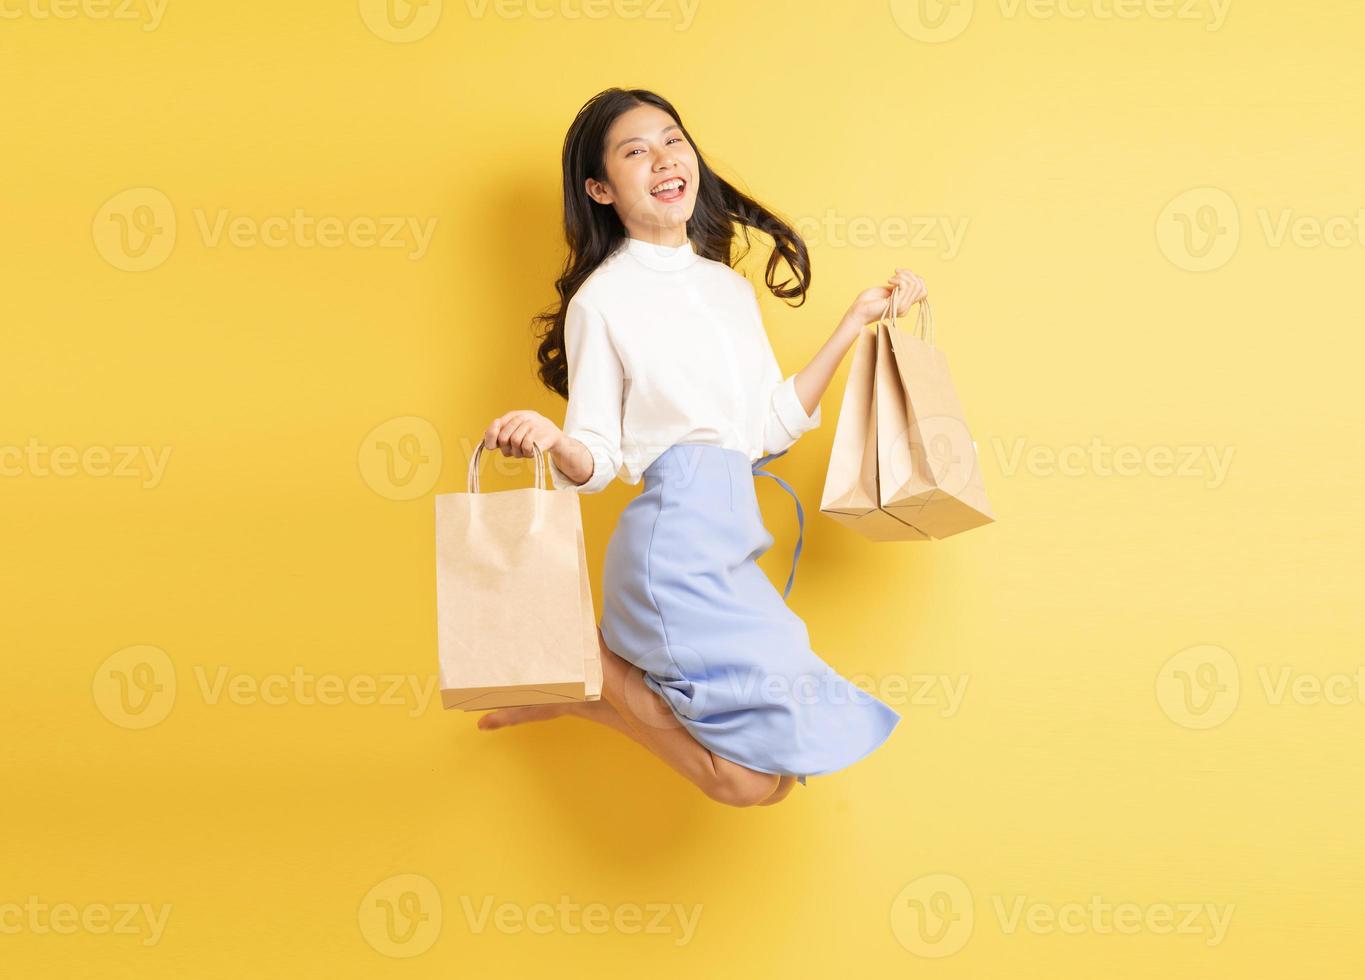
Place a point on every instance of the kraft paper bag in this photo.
(928, 472)
(515, 620)
(851, 494)
(903, 466)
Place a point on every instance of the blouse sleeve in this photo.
(786, 419)
(596, 382)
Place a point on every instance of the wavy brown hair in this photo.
(593, 231)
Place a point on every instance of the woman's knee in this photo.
(617, 673)
(735, 785)
(784, 789)
(612, 665)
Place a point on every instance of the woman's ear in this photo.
(597, 190)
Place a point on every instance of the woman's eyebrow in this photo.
(632, 139)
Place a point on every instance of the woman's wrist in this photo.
(573, 458)
(849, 327)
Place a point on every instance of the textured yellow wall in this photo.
(239, 239)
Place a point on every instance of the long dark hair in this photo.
(594, 231)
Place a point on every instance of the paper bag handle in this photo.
(924, 320)
(473, 481)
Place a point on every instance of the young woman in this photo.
(660, 349)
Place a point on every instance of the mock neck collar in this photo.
(662, 258)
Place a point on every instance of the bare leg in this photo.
(784, 788)
(603, 713)
(502, 717)
(646, 718)
(599, 711)
(654, 726)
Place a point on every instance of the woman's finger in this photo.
(490, 436)
(509, 439)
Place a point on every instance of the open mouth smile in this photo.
(670, 190)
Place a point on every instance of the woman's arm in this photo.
(574, 461)
(787, 418)
(587, 456)
(814, 378)
(586, 453)
(794, 401)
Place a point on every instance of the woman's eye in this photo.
(638, 149)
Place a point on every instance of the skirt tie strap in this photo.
(800, 514)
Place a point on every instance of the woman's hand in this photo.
(871, 303)
(515, 431)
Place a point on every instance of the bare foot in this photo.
(503, 717)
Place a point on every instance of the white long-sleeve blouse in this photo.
(663, 346)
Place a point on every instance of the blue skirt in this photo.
(685, 601)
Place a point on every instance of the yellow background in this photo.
(272, 542)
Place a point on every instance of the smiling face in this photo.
(646, 157)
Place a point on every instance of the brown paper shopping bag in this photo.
(515, 620)
(928, 472)
(903, 466)
(851, 494)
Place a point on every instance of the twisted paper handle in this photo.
(924, 320)
(473, 480)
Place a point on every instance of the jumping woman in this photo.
(660, 349)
